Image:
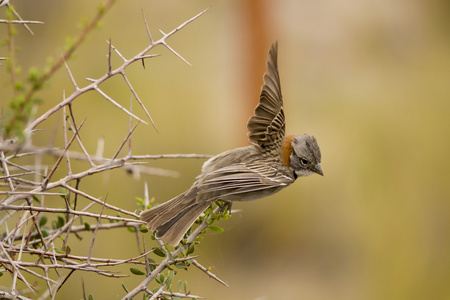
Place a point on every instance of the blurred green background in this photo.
(369, 79)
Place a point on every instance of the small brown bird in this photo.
(269, 164)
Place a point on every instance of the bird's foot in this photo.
(226, 205)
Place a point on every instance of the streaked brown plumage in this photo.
(269, 164)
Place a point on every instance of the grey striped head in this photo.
(305, 157)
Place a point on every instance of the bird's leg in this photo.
(226, 204)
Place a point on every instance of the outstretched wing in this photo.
(247, 181)
(266, 126)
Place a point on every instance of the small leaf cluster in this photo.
(185, 259)
(21, 106)
(143, 204)
(224, 213)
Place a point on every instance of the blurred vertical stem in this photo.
(11, 62)
(23, 101)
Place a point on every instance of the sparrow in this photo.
(270, 163)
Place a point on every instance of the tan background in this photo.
(370, 79)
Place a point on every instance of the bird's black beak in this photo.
(317, 169)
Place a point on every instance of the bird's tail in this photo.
(173, 218)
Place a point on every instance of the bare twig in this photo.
(6, 172)
(146, 28)
(95, 234)
(6, 295)
(198, 265)
(87, 196)
(55, 166)
(69, 211)
(124, 141)
(20, 22)
(29, 150)
(69, 169)
(74, 128)
(70, 75)
(158, 292)
(172, 294)
(13, 264)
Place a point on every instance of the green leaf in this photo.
(61, 222)
(181, 265)
(169, 280)
(131, 229)
(143, 229)
(171, 256)
(36, 198)
(190, 249)
(64, 193)
(125, 288)
(101, 8)
(1, 274)
(69, 43)
(215, 228)
(185, 287)
(33, 76)
(43, 221)
(136, 271)
(91, 297)
(140, 200)
(18, 86)
(159, 252)
(87, 226)
(226, 217)
(152, 266)
(158, 279)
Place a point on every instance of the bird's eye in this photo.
(304, 161)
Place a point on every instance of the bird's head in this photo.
(302, 154)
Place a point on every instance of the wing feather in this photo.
(242, 178)
(267, 125)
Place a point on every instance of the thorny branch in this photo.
(29, 248)
(120, 70)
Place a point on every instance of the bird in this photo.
(270, 163)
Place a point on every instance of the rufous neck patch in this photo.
(287, 149)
